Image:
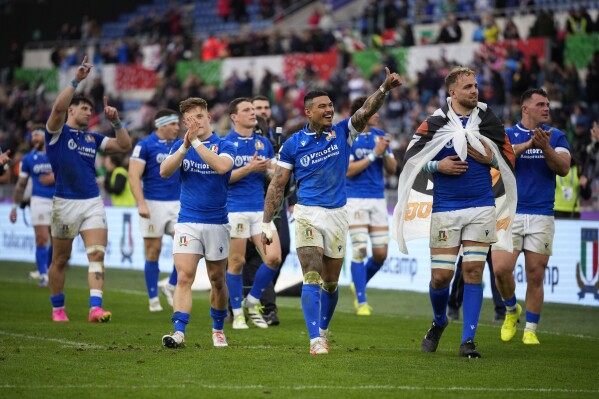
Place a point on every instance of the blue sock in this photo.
(311, 308)
(95, 301)
(49, 257)
(152, 272)
(180, 320)
(371, 269)
(510, 302)
(328, 303)
(358, 275)
(172, 280)
(41, 259)
(57, 300)
(235, 286)
(532, 317)
(439, 299)
(264, 276)
(473, 302)
(218, 318)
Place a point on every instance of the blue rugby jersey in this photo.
(369, 183)
(319, 164)
(247, 194)
(72, 154)
(34, 165)
(152, 151)
(473, 188)
(534, 179)
(203, 190)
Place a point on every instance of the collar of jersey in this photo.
(309, 133)
(525, 130)
(240, 137)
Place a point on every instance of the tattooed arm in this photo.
(274, 196)
(375, 101)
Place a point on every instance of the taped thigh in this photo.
(359, 240)
(475, 254)
(379, 239)
(443, 261)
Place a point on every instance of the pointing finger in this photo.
(105, 101)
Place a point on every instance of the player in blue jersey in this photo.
(77, 207)
(36, 166)
(202, 230)
(157, 199)
(245, 203)
(542, 153)
(319, 157)
(463, 210)
(366, 205)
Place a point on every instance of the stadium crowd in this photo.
(502, 77)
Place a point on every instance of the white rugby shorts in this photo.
(247, 224)
(163, 217)
(533, 233)
(449, 229)
(326, 228)
(367, 211)
(212, 241)
(40, 210)
(69, 216)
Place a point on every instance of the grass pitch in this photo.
(375, 357)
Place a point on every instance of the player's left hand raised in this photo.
(110, 113)
(392, 80)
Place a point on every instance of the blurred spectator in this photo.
(510, 31)
(450, 30)
(490, 28)
(116, 182)
(544, 25)
(578, 22)
(223, 9)
(569, 190)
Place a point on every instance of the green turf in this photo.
(376, 357)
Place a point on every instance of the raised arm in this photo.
(122, 142)
(61, 105)
(375, 101)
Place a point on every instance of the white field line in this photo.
(302, 388)
(57, 340)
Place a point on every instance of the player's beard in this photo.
(468, 103)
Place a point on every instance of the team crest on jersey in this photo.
(183, 241)
(239, 228)
(258, 145)
(71, 144)
(309, 233)
(442, 235)
(89, 138)
(213, 148)
(331, 135)
(449, 144)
